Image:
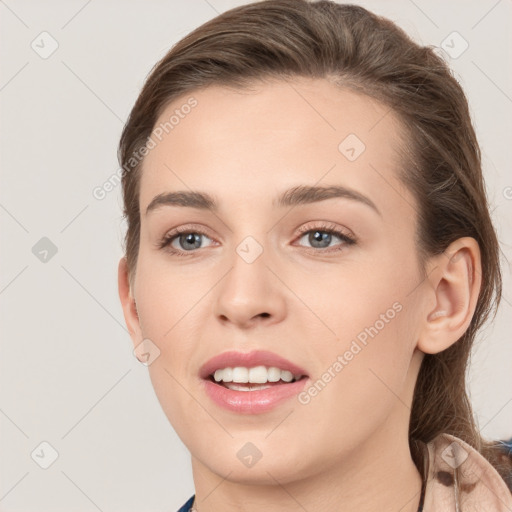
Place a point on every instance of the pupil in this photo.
(189, 238)
(319, 236)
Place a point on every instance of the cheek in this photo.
(358, 384)
(352, 300)
(170, 297)
(171, 316)
(370, 351)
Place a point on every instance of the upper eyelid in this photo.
(321, 226)
(188, 228)
(325, 226)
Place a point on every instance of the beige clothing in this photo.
(482, 488)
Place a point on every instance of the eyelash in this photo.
(165, 242)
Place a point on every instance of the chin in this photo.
(265, 470)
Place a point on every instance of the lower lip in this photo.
(252, 402)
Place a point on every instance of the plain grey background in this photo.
(68, 377)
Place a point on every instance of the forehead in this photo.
(239, 144)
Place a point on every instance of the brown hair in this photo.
(359, 50)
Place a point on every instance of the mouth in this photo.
(232, 366)
(253, 382)
(253, 386)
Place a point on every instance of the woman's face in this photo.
(259, 274)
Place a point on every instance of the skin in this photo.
(347, 449)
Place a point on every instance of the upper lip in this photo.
(233, 358)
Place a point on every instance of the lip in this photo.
(251, 402)
(233, 358)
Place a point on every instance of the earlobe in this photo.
(128, 304)
(454, 287)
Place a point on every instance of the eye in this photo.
(188, 239)
(184, 241)
(321, 236)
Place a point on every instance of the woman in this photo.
(309, 257)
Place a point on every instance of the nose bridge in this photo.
(247, 290)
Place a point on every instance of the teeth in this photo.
(255, 375)
(287, 376)
(254, 387)
(258, 375)
(274, 374)
(240, 374)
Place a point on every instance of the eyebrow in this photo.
(302, 194)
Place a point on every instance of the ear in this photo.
(453, 286)
(131, 316)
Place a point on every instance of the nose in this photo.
(250, 294)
